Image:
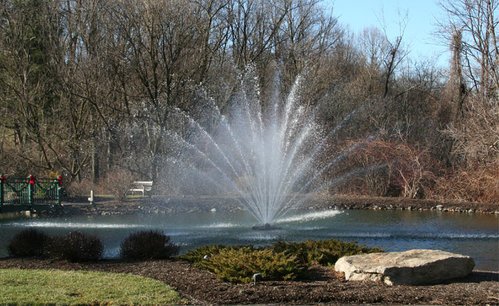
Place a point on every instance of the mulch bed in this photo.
(325, 286)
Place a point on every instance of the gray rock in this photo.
(413, 267)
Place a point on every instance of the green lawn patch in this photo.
(18, 286)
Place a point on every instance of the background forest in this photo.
(86, 87)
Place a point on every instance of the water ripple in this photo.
(48, 224)
(310, 216)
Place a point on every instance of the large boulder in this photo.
(413, 267)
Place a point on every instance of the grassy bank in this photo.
(19, 286)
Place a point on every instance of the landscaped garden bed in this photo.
(200, 286)
(298, 273)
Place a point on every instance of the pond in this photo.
(475, 235)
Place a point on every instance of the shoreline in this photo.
(166, 205)
(186, 204)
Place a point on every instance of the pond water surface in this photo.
(475, 235)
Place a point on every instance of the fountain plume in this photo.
(262, 159)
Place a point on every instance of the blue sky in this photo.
(421, 22)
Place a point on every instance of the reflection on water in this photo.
(473, 235)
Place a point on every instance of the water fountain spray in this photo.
(265, 157)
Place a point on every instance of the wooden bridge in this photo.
(29, 193)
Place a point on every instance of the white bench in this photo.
(142, 187)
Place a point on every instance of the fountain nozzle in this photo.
(265, 227)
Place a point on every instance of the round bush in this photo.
(28, 243)
(76, 247)
(147, 245)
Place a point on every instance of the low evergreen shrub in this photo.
(76, 247)
(28, 243)
(200, 254)
(239, 264)
(145, 245)
(281, 261)
(322, 252)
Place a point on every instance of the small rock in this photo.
(256, 278)
(439, 207)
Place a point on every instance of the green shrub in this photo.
(198, 255)
(281, 261)
(147, 245)
(76, 247)
(28, 243)
(238, 265)
(323, 252)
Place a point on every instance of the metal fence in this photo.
(30, 191)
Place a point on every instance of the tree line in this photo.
(86, 87)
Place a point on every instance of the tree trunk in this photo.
(95, 161)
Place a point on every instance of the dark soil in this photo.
(325, 286)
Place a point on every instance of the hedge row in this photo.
(76, 246)
(238, 264)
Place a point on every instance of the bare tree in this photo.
(477, 21)
(473, 85)
(29, 102)
(164, 54)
